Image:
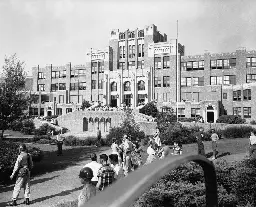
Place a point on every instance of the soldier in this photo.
(22, 169)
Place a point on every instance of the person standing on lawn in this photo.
(106, 174)
(95, 166)
(200, 144)
(89, 190)
(21, 170)
(214, 138)
(59, 139)
(252, 147)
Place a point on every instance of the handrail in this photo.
(125, 192)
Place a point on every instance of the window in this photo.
(41, 75)
(130, 51)
(101, 67)
(181, 112)
(68, 110)
(157, 82)
(195, 112)
(133, 51)
(141, 85)
(237, 95)
(122, 36)
(195, 81)
(213, 64)
(81, 72)
(247, 94)
(166, 62)
(142, 46)
(121, 65)
(62, 86)
(141, 33)
(63, 74)
(82, 85)
(247, 112)
(93, 84)
(158, 64)
(189, 66)
(131, 65)
(216, 80)
(94, 67)
(141, 64)
(225, 96)
(124, 51)
(251, 62)
(201, 65)
(127, 86)
(55, 74)
(229, 79)
(41, 87)
(54, 87)
(59, 111)
(114, 86)
(73, 86)
(61, 98)
(141, 98)
(250, 78)
(223, 63)
(120, 51)
(183, 66)
(192, 65)
(131, 35)
(185, 82)
(198, 81)
(237, 111)
(166, 81)
(101, 83)
(140, 50)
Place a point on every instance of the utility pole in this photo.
(177, 73)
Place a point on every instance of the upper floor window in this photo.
(63, 74)
(247, 94)
(157, 81)
(121, 65)
(120, 52)
(73, 86)
(93, 84)
(94, 67)
(127, 86)
(158, 63)
(81, 72)
(185, 82)
(216, 80)
(101, 83)
(225, 96)
(113, 86)
(131, 51)
(41, 87)
(229, 79)
(142, 49)
(41, 75)
(198, 81)
(74, 73)
(122, 36)
(251, 62)
(237, 95)
(250, 78)
(54, 87)
(166, 62)
(62, 86)
(141, 33)
(141, 64)
(141, 85)
(166, 81)
(55, 74)
(223, 63)
(101, 67)
(192, 65)
(131, 35)
(82, 85)
(131, 65)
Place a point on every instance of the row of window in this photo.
(97, 66)
(131, 34)
(228, 79)
(237, 95)
(251, 62)
(131, 65)
(131, 51)
(247, 111)
(192, 65)
(223, 63)
(127, 86)
(166, 62)
(195, 81)
(166, 81)
(195, 112)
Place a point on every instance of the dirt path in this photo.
(50, 188)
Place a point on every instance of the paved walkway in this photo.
(51, 188)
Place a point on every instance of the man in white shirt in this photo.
(95, 166)
(119, 171)
(252, 147)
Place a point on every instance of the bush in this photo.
(85, 104)
(253, 122)
(74, 141)
(185, 119)
(28, 126)
(45, 129)
(149, 109)
(22, 140)
(45, 141)
(16, 125)
(237, 132)
(230, 119)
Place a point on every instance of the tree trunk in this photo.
(2, 135)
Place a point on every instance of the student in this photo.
(214, 138)
(89, 190)
(200, 144)
(106, 173)
(60, 140)
(95, 166)
(127, 162)
(114, 147)
(177, 149)
(164, 151)
(252, 140)
(119, 171)
(151, 153)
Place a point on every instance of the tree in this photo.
(13, 98)
(85, 104)
(149, 109)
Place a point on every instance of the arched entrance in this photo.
(85, 124)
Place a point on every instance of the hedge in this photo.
(74, 141)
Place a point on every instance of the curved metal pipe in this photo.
(125, 192)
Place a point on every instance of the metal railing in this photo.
(125, 192)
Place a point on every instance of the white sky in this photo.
(61, 31)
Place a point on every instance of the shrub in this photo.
(185, 119)
(230, 119)
(253, 122)
(74, 141)
(45, 141)
(149, 109)
(237, 131)
(28, 126)
(85, 104)
(16, 125)
(45, 129)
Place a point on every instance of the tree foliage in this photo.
(150, 109)
(13, 98)
(85, 104)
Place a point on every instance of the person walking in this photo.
(95, 166)
(21, 171)
(59, 139)
(200, 144)
(214, 138)
(89, 190)
(106, 173)
(252, 146)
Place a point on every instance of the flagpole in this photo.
(177, 71)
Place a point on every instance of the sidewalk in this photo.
(51, 188)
